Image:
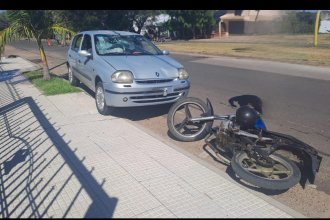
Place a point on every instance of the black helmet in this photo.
(246, 117)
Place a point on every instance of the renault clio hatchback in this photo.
(125, 69)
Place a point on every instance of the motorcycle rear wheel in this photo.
(179, 125)
(283, 175)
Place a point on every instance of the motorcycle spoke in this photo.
(188, 113)
(280, 169)
(181, 125)
(281, 172)
(254, 170)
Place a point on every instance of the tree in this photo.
(140, 17)
(35, 24)
(297, 22)
(3, 21)
(191, 23)
(82, 20)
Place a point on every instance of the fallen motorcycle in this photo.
(242, 141)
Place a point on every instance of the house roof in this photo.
(252, 15)
(231, 16)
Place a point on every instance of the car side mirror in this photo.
(166, 52)
(85, 53)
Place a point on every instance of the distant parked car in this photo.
(125, 69)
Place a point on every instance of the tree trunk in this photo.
(194, 32)
(43, 60)
(257, 15)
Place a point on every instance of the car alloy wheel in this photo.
(100, 101)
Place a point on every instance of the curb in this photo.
(248, 59)
(266, 66)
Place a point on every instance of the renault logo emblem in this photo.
(157, 74)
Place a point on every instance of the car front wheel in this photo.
(101, 105)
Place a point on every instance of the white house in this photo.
(325, 22)
(248, 21)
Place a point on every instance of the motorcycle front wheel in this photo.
(178, 119)
(283, 175)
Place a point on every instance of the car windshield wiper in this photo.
(140, 50)
(114, 53)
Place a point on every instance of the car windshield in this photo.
(106, 44)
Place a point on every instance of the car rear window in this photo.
(76, 42)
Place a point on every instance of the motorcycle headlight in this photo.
(183, 74)
(122, 76)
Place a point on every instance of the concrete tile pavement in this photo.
(60, 158)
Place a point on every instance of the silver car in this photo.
(125, 69)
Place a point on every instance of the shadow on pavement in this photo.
(5, 75)
(40, 175)
(141, 113)
(132, 113)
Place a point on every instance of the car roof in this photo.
(111, 32)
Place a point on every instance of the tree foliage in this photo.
(36, 24)
(297, 22)
(188, 24)
(81, 20)
(3, 21)
(140, 18)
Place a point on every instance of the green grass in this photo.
(54, 86)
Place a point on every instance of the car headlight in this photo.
(183, 74)
(122, 76)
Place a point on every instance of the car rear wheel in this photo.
(72, 79)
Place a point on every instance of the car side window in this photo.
(87, 43)
(76, 42)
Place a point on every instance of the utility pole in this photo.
(316, 30)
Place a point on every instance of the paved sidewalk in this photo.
(60, 158)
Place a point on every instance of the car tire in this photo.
(72, 79)
(101, 105)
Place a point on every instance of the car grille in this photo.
(150, 101)
(153, 81)
(156, 98)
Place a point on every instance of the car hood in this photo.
(146, 66)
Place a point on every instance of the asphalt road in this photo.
(292, 104)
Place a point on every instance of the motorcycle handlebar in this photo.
(210, 118)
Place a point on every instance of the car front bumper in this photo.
(118, 95)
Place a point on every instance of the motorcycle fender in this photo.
(210, 107)
(295, 144)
